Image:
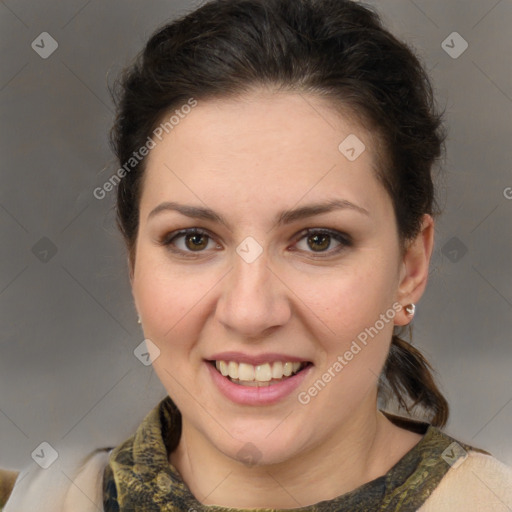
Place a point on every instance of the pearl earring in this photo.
(410, 309)
(138, 320)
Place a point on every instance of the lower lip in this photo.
(253, 395)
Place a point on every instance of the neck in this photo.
(359, 451)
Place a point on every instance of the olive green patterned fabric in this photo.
(139, 477)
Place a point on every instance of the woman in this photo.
(277, 203)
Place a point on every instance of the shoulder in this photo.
(73, 483)
(478, 481)
(87, 488)
(7, 479)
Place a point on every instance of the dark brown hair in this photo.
(337, 49)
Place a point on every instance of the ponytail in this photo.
(408, 375)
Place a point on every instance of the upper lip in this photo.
(257, 359)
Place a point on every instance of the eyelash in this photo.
(344, 240)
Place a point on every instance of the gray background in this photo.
(68, 375)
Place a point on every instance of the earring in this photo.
(138, 319)
(410, 309)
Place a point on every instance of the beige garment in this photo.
(480, 483)
(59, 488)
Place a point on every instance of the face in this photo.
(253, 283)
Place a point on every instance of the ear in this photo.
(414, 268)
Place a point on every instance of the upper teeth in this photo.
(262, 372)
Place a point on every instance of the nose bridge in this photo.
(251, 300)
(250, 276)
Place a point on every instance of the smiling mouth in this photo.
(260, 375)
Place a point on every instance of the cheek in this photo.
(346, 307)
(346, 300)
(169, 302)
(170, 306)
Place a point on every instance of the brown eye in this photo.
(196, 241)
(187, 241)
(320, 240)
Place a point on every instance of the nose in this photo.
(253, 302)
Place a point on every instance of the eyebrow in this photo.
(282, 218)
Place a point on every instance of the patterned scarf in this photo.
(139, 477)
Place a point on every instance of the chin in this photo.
(258, 449)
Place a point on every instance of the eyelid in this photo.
(168, 237)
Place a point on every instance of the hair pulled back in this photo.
(338, 49)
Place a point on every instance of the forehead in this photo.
(273, 147)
